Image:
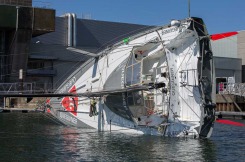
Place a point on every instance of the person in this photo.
(93, 110)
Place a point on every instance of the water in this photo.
(34, 137)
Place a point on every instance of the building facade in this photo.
(17, 2)
(19, 23)
(57, 62)
(228, 62)
(241, 51)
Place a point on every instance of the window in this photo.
(35, 64)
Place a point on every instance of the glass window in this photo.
(35, 64)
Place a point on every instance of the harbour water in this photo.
(34, 137)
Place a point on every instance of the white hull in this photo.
(111, 122)
(175, 71)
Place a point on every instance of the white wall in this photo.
(226, 47)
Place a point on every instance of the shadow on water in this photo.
(32, 137)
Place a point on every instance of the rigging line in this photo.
(46, 51)
(115, 52)
(167, 78)
(78, 54)
(111, 41)
(182, 62)
(195, 94)
(133, 34)
(162, 98)
(109, 64)
(169, 108)
(188, 105)
(83, 60)
(102, 68)
(176, 118)
(218, 33)
(178, 93)
(118, 58)
(86, 88)
(191, 54)
(187, 53)
(65, 73)
(156, 27)
(82, 66)
(100, 73)
(192, 92)
(63, 49)
(129, 47)
(146, 42)
(201, 74)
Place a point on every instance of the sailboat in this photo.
(158, 82)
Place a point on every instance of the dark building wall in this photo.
(39, 20)
(243, 73)
(64, 61)
(228, 67)
(8, 17)
(64, 70)
(17, 2)
(17, 26)
(59, 37)
(43, 21)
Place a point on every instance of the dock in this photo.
(230, 114)
(227, 105)
(230, 106)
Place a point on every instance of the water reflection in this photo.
(121, 147)
(35, 138)
(208, 150)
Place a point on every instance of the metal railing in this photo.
(231, 88)
(26, 87)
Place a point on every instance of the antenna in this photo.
(189, 8)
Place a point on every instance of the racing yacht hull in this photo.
(158, 82)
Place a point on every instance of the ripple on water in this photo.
(32, 137)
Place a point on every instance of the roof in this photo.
(101, 34)
(92, 35)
